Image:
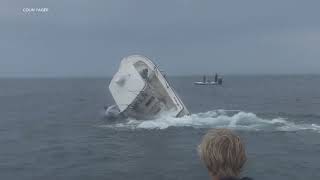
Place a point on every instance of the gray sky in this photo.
(89, 37)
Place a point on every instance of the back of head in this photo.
(223, 153)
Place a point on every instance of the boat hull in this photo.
(205, 83)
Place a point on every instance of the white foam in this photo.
(233, 119)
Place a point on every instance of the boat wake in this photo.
(232, 119)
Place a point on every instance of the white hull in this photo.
(141, 91)
(205, 83)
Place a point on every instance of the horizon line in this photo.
(173, 75)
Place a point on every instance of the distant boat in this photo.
(217, 81)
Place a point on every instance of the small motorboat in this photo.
(217, 81)
(141, 91)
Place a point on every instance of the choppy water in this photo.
(54, 129)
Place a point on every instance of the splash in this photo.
(232, 119)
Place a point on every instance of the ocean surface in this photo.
(55, 129)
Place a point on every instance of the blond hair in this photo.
(222, 152)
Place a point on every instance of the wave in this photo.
(233, 119)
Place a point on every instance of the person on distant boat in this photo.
(216, 78)
(224, 154)
(204, 79)
(220, 81)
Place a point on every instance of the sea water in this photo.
(54, 129)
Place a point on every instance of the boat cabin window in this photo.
(144, 73)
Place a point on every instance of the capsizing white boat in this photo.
(141, 91)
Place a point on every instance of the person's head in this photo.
(223, 153)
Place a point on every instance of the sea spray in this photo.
(233, 119)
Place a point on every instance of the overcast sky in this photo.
(89, 37)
